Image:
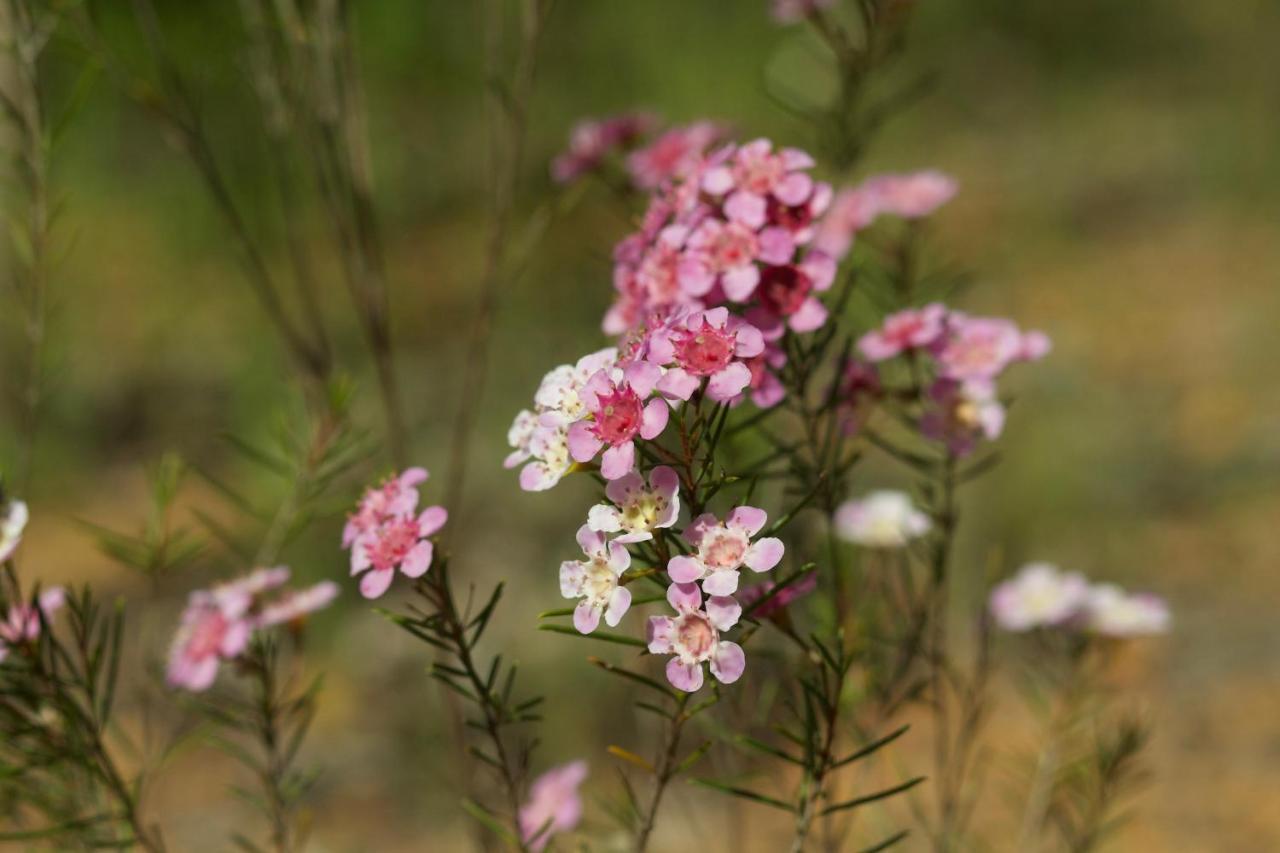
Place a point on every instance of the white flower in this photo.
(883, 519)
(1113, 612)
(1038, 596)
(12, 522)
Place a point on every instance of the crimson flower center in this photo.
(784, 289)
(618, 416)
(393, 543)
(705, 351)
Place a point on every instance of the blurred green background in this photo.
(1120, 190)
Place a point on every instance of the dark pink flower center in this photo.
(618, 416)
(207, 635)
(393, 543)
(695, 635)
(706, 350)
(723, 549)
(784, 289)
(732, 246)
(790, 217)
(759, 173)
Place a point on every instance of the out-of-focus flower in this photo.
(22, 624)
(1112, 612)
(387, 533)
(723, 548)
(638, 509)
(595, 580)
(982, 347)
(912, 328)
(911, 196)
(554, 805)
(711, 345)
(673, 155)
(791, 11)
(780, 600)
(766, 388)
(753, 174)
(693, 637)
(616, 413)
(851, 210)
(882, 519)
(13, 520)
(293, 605)
(592, 140)
(1039, 596)
(961, 413)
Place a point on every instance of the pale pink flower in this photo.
(912, 328)
(911, 196)
(982, 347)
(22, 624)
(673, 155)
(724, 254)
(882, 519)
(638, 509)
(710, 345)
(13, 520)
(1039, 596)
(595, 580)
(400, 543)
(616, 414)
(852, 210)
(592, 140)
(554, 805)
(960, 414)
(1112, 612)
(723, 548)
(692, 636)
(293, 605)
(791, 11)
(781, 600)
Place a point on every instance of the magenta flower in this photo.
(554, 805)
(780, 601)
(723, 548)
(692, 636)
(13, 520)
(960, 414)
(766, 388)
(595, 580)
(616, 414)
(786, 292)
(387, 533)
(638, 509)
(705, 344)
(673, 155)
(22, 624)
(592, 140)
(913, 328)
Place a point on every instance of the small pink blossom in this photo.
(13, 520)
(595, 580)
(554, 805)
(293, 605)
(1112, 612)
(387, 533)
(960, 414)
(913, 328)
(592, 140)
(692, 636)
(711, 345)
(852, 210)
(723, 548)
(786, 292)
(22, 624)
(616, 414)
(982, 347)
(753, 174)
(781, 600)
(881, 519)
(721, 254)
(673, 155)
(911, 196)
(638, 509)
(766, 388)
(1039, 596)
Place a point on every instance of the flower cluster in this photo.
(22, 624)
(386, 533)
(1040, 596)
(13, 520)
(966, 355)
(218, 623)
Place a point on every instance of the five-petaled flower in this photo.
(554, 805)
(1039, 596)
(638, 509)
(712, 345)
(617, 412)
(692, 636)
(909, 329)
(387, 533)
(595, 580)
(723, 548)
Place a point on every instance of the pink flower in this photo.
(387, 533)
(13, 520)
(753, 174)
(962, 413)
(22, 625)
(595, 581)
(616, 414)
(673, 155)
(593, 140)
(913, 328)
(1112, 612)
(852, 210)
(786, 292)
(911, 196)
(692, 636)
(554, 805)
(724, 254)
(1039, 596)
(638, 509)
(781, 600)
(293, 605)
(883, 519)
(982, 347)
(705, 344)
(791, 11)
(724, 548)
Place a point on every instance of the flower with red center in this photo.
(595, 580)
(638, 509)
(723, 548)
(22, 624)
(616, 414)
(692, 637)
(386, 533)
(786, 293)
(395, 497)
(913, 328)
(711, 344)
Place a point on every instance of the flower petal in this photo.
(764, 554)
(418, 560)
(684, 676)
(728, 663)
(684, 569)
(619, 603)
(375, 582)
(586, 617)
(749, 519)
